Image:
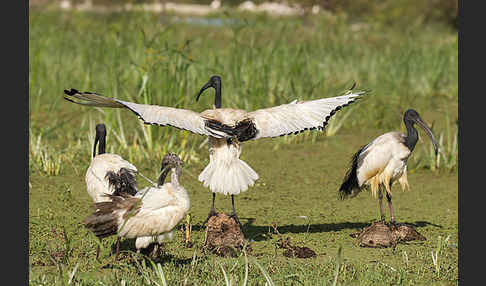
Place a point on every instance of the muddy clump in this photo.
(406, 232)
(380, 234)
(291, 250)
(224, 236)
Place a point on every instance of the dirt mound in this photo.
(405, 232)
(295, 251)
(291, 250)
(224, 236)
(379, 234)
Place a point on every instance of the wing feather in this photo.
(296, 116)
(149, 114)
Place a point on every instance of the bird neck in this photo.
(101, 146)
(174, 176)
(217, 97)
(412, 135)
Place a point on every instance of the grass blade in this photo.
(71, 275)
(265, 273)
(338, 265)
(245, 280)
(225, 275)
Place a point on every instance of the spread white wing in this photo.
(150, 114)
(297, 116)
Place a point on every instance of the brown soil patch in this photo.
(379, 234)
(224, 236)
(291, 250)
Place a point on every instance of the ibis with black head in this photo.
(108, 173)
(383, 161)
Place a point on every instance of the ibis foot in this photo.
(155, 251)
(235, 217)
(212, 213)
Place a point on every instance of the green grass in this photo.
(263, 62)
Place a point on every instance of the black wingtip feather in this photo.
(326, 121)
(72, 91)
(70, 100)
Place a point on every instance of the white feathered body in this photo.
(96, 183)
(160, 210)
(226, 173)
(144, 241)
(384, 161)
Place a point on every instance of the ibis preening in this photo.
(384, 161)
(150, 215)
(227, 128)
(108, 173)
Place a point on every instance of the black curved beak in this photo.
(206, 86)
(165, 170)
(97, 139)
(429, 133)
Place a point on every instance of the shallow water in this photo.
(203, 21)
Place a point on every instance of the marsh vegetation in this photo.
(263, 61)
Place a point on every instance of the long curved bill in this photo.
(429, 133)
(205, 86)
(97, 139)
(164, 171)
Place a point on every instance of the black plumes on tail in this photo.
(104, 221)
(350, 185)
(124, 181)
(244, 130)
(102, 224)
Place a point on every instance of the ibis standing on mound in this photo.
(227, 128)
(384, 161)
(108, 174)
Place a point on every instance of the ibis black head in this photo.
(410, 117)
(169, 161)
(214, 82)
(101, 138)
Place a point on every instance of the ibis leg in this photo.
(233, 214)
(380, 200)
(117, 248)
(212, 212)
(98, 250)
(392, 215)
(153, 254)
